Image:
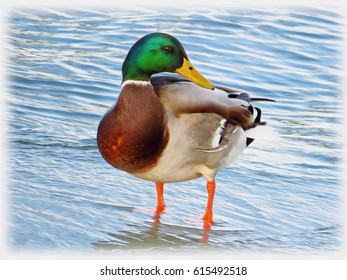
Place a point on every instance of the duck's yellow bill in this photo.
(188, 71)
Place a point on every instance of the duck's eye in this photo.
(167, 49)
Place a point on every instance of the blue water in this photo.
(282, 195)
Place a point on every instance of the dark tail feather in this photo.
(258, 120)
(258, 99)
(249, 141)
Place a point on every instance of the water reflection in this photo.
(206, 227)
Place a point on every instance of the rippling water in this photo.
(281, 195)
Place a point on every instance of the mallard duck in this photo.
(168, 129)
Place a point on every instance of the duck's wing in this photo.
(212, 132)
(243, 95)
(184, 97)
(159, 81)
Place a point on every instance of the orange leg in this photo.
(160, 197)
(208, 217)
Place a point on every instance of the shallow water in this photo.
(281, 195)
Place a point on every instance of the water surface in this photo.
(281, 195)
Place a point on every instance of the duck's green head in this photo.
(156, 53)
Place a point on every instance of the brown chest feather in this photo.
(132, 134)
